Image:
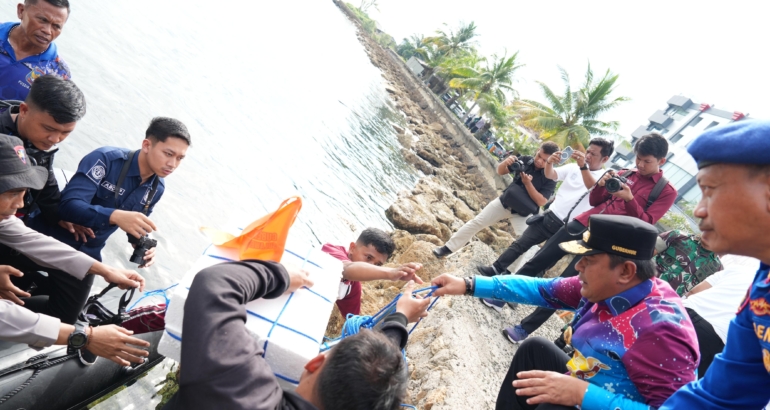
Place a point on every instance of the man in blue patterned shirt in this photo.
(634, 344)
(27, 50)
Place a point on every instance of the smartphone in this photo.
(565, 154)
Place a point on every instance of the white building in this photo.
(680, 123)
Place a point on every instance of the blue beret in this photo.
(742, 142)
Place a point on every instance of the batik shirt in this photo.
(739, 377)
(634, 349)
(684, 263)
(17, 76)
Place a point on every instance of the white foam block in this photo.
(290, 328)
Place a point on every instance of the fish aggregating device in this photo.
(289, 328)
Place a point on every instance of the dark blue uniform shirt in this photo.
(89, 198)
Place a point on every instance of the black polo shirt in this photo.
(517, 199)
(542, 183)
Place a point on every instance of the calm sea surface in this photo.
(280, 99)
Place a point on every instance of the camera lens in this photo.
(612, 185)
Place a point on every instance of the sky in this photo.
(712, 52)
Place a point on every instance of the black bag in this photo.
(95, 314)
(516, 199)
(551, 222)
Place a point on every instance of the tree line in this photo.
(569, 118)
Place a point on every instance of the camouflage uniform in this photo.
(685, 263)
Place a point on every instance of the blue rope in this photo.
(353, 323)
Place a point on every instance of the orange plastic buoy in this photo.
(264, 238)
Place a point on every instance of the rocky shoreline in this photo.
(457, 356)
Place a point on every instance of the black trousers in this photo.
(59, 295)
(708, 340)
(533, 235)
(545, 259)
(533, 354)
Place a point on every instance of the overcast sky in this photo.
(714, 52)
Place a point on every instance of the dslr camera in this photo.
(517, 166)
(614, 184)
(141, 246)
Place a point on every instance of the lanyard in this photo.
(122, 178)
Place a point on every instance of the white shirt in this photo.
(572, 187)
(719, 303)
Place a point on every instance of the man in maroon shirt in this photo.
(362, 262)
(630, 200)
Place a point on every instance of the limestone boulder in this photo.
(429, 238)
(422, 252)
(436, 127)
(403, 240)
(470, 198)
(418, 162)
(462, 211)
(442, 212)
(408, 215)
(427, 153)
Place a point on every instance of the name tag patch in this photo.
(111, 187)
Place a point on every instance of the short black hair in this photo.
(163, 127)
(755, 170)
(606, 145)
(549, 147)
(59, 98)
(56, 3)
(365, 371)
(645, 268)
(382, 242)
(652, 144)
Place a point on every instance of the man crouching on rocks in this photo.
(222, 364)
(529, 190)
(633, 343)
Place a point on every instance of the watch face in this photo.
(78, 340)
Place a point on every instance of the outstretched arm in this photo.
(362, 272)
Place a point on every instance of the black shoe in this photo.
(487, 270)
(441, 252)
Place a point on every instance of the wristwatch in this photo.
(470, 285)
(79, 338)
(584, 167)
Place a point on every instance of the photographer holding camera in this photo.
(529, 190)
(112, 188)
(642, 193)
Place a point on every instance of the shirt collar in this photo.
(655, 177)
(628, 298)
(133, 170)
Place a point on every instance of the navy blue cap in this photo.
(742, 142)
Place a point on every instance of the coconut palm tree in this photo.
(411, 46)
(493, 79)
(571, 118)
(452, 42)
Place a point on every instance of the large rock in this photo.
(408, 215)
(418, 162)
(422, 252)
(403, 240)
(470, 198)
(427, 153)
(442, 212)
(436, 127)
(462, 211)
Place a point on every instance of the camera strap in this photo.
(122, 178)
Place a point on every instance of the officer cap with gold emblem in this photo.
(615, 234)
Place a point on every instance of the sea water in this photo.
(280, 99)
